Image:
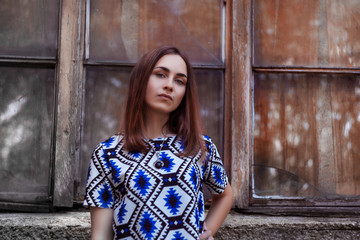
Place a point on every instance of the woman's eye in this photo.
(179, 81)
(160, 75)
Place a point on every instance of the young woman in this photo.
(146, 181)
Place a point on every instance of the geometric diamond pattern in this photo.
(168, 161)
(178, 236)
(115, 171)
(142, 182)
(193, 178)
(150, 202)
(149, 225)
(217, 175)
(121, 213)
(173, 201)
(105, 196)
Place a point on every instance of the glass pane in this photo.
(26, 123)
(125, 30)
(306, 135)
(307, 32)
(105, 93)
(210, 88)
(29, 28)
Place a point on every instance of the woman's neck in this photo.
(154, 125)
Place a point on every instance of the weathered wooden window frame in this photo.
(238, 100)
(73, 58)
(237, 107)
(239, 117)
(30, 62)
(70, 78)
(237, 110)
(68, 84)
(69, 98)
(226, 11)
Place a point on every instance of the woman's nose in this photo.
(169, 84)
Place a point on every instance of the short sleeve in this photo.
(215, 177)
(99, 190)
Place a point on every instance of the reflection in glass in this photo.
(211, 94)
(29, 28)
(306, 135)
(307, 32)
(125, 30)
(26, 122)
(105, 93)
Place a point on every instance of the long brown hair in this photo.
(184, 121)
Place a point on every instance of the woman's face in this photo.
(167, 84)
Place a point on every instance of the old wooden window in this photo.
(306, 103)
(278, 80)
(118, 33)
(40, 81)
(28, 57)
(52, 113)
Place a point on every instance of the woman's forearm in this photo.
(101, 223)
(219, 209)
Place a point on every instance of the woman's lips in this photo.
(165, 96)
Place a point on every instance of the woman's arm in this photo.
(217, 213)
(101, 223)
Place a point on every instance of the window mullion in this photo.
(68, 111)
(241, 102)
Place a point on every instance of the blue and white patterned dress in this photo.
(150, 202)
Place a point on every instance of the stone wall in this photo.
(76, 225)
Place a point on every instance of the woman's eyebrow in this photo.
(167, 70)
(181, 75)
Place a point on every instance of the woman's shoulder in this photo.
(209, 144)
(207, 139)
(112, 141)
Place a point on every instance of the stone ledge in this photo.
(69, 225)
(240, 226)
(76, 225)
